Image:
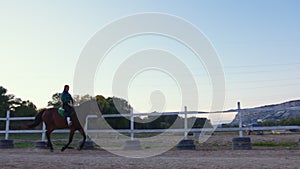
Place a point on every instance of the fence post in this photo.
(7, 125)
(186, 144)
(7, 143)
(185, 123)
(131, 125)
(44, 132)
(240, 119)
(132, 144)
(241, 143)
(42, 144)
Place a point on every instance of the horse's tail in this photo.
(38, 119)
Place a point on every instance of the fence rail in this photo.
(133, 131)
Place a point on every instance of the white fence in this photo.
(132, 131)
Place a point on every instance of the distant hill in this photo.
(275, 112)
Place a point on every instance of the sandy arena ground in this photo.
(218, 155)
(33, 158)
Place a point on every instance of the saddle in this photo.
(61, 112)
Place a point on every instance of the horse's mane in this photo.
(53, 108)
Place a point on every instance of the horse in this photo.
(53, 120)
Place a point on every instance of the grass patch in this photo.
(56, 144)
(24, 145)
(28, 140)
(25, 136)
(38, 136)
(272, 144)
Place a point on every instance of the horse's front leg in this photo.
(84, 138)
(72, 131)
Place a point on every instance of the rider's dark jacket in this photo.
(66, 98)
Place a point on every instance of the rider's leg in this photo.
(68, 111)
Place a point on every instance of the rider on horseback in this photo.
(68, 102)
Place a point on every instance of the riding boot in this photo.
(67, 115)
(69, 121)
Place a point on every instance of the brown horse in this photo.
(53, 120)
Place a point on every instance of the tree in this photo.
(103, 104)
(5, 101)
(118, 105)
(17, 107)
(22, 109)
(81, 99)
(56, 100)
(114, 105)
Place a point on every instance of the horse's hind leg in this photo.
(48, 133)
(70, 140)
(84, 138)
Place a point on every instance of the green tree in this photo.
(103, 104)
(108, 106)
(81, 99)
(113, 105)
(56, 101)
(22, 109)
(5, 101)
(118, 104)
(17, 107)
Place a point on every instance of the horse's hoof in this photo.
(63, 149)
(79, 148)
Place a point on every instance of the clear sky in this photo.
(257, 43)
